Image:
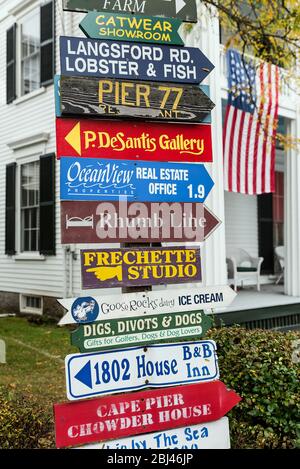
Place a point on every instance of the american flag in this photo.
(250, 126)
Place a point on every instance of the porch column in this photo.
(292, 215)
(206, 36)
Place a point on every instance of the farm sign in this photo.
(147, 62)
(135, 28)
(134, 140)
(86, 310)
(183, 9)
(125, 332)
(114, 417)
(104, 268)
(90, 179)
(107, 97)
(137, 368)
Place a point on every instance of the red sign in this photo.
(123, 415)
(134, 140)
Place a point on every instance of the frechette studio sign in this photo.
(139, 266)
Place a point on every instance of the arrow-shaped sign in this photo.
(109, 98)
(186, 10)
(161, 409)
(130, 369)
(147, 62)
(90, 179)
(114, 26)
(87, 310)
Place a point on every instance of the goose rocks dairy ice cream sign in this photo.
(139, 266)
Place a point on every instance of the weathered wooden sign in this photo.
(136, 368)
(112, 417)
(126, 332)
(90, 179)
(109, 98)
(211, 435)
(86, 310)
(132, 222)
(115, 26)
(147, 62)
(133, 267)
(134, 140)
(183, 9)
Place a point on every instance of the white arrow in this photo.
(179, 4)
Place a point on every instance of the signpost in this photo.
(211, 435)
(90, 179)
(130, 414)
(134, 267)
(87, 310)
(134, 140)
(124, 98)
(132, 222)
(84, 57)
(183, 9)
(137, 368)
(115, 26)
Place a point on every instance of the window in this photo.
(31, 304)
(30, 207)
(30, 52)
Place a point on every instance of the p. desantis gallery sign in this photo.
(144, 222)
(139, 266)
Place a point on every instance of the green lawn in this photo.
(28, 370)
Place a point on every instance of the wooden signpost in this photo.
(134, 267)
(115, 26)
(131, 61)
(183, 9)
(109, 98)
(126, 332)
(123, 140)
(113, 417)
(132, 222)
(86, 310)
(211, 435)
(135, 368)
(90, 179)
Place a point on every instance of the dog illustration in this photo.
(108, 273)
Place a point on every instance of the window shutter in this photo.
(11, 64)
(47, 205)
(47, 43)
(10, 210)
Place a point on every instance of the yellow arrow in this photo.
(74, 138)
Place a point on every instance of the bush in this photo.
(23, 423)
(258, 365)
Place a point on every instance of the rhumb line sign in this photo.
(90, 179)
(186, 10)
(150, 62)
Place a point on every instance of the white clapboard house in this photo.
(35, 268)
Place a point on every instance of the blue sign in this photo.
(85, 310)
(143, 181)
(150, 62)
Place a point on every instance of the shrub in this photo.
(23, 423)
(258, 365)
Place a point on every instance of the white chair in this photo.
(241, 266)
(279, 253)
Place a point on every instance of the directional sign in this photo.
(160, 409)
(212, 435)
(103, 59)
(93, 97)
(132, 222)
(136, 368)
(90, 179)
(133, 267)
(126, 332)
(183, 9)
(87, 310)
(115, 26)
(134, 140)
